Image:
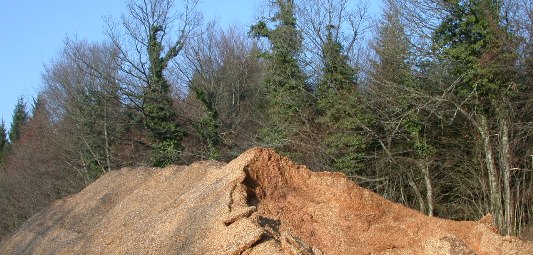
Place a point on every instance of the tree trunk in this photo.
(494, 186)
(429, 188)
(106, 135)
(417, 193)
(505, 168)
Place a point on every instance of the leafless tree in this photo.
(131, 38)
(347, 20)
(224, 66)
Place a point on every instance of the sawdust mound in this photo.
(260, 203)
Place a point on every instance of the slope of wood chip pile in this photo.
(259, 203)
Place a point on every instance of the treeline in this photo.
(429, 105)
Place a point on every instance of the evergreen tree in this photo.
(39, 106)
(400, 115)
(20, 117)
(158, 106)
(340, 111)
(392, 48)
(4, 143)
(285, 81)
(473, 40)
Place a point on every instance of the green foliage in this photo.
(208, 128)
(393, 68)
(338, 74)
(165, 153)
(20, 117)
(3, 136)
(4, 143)
(479, 48)
(273, 135)
(160, 113)
(416, 131)
(392, 47)
(163, 129)
(340, 112)
(260, 29)
(39, 106)
(285, 81)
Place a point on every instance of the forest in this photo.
(429, 103)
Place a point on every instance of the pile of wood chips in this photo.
(259, 203)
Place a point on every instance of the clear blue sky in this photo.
(32, 32)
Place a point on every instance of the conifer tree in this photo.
(393, 81)
(4, 143)
(285, 82)
(340, 110)
(392, 51)
(472, 40)
(20, 116)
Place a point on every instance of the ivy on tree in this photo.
(160, 113)
(287, 91)
(208, 128)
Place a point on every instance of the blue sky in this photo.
(32, 32)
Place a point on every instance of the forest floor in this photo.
(259, 203)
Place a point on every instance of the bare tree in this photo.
(132, 38)
(224, 78)
(146, 49)
(345, 21)
(82, 94)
